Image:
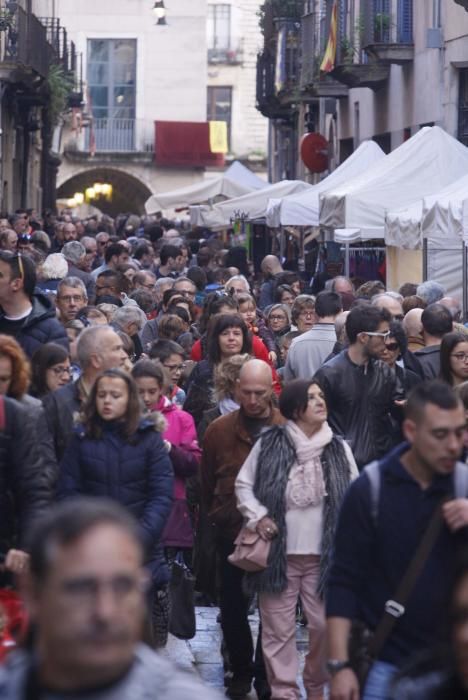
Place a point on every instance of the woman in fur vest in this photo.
(290, 490)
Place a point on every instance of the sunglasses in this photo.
(392, 346)
(376, 334)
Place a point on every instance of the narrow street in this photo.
(201, 655)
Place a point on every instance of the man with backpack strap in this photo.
(387, 513)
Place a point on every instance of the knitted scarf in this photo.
(276, 457)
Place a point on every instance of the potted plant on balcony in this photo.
(382, 24)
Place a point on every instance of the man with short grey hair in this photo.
(391, 302)
(74, 253)
(98, 348)
(71, 298)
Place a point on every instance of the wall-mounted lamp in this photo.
(159, 10)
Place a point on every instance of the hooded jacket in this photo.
(41, 326)
(136, 472)
(185, 456)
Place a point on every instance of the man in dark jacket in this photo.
(24, 487)
(378, 533)
(360, 390)
(99, 348)
(226, 446)
(27, 315)
(436, 321)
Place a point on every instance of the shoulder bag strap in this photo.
(395, 608)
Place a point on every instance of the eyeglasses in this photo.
(277, 318)
(84, 591)
(307, 314)
(60, 370)
(392, 346)
(68, 298)
(460, 356)
(376, 334)
(175, 368)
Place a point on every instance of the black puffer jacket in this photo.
(41, 326)
(24, 487)
(360, 399)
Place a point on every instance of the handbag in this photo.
(182, 622)
(364, 645)
(251, 551)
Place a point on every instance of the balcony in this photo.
(230, 57)
(314, 32)
(25, 53)
(354, 67)
(113, 136)
(388, 30)
(66, 56)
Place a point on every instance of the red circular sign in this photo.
(314, 152)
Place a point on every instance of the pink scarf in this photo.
(306, 484)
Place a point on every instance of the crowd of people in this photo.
(158, 395)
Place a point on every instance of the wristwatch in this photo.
(335, 665)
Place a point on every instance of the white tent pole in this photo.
(425, 251)
(346, 264)
(465, 281)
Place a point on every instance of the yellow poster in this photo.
(218, 137)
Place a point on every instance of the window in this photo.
(219, 107)
(463, 106)
(218, 27)
(112, 90)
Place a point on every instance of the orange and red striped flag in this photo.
(328, 62)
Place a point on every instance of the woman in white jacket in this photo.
(289, 490)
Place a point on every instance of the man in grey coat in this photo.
(309, 351)
(85, 592)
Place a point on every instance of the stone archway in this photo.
(129, 193)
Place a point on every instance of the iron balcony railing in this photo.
(23, 39)
(117, 135)
(387, 22)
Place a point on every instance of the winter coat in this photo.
(41, 326)
(137, 473)
(56, 423)
(226, 446)
(24, 488)
(360, 399)
(185, 457)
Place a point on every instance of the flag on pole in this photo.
(328, 62)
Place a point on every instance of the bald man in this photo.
(413, 328)
(270, 267)
(226, 446)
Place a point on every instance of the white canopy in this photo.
(234, 182)
(252, 205)
(419, 167)
(303, 209)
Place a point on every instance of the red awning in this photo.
(184, 144)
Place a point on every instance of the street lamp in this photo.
(159, 10)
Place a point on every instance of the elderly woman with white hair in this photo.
(51, 272)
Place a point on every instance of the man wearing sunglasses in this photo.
(360, 390)
(25, 314)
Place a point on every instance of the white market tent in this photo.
(444, 230)
(250, 206)
(234, 182)
(421, 166)
(303, 209)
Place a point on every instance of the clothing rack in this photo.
(350, 252)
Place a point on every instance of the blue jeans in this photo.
(379, 681)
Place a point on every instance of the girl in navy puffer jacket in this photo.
(118, 454)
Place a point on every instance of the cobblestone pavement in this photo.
(201, 654)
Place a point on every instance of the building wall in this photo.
(249, 130)
(171, 66)
(423, 91)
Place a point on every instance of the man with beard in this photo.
(360, 390)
